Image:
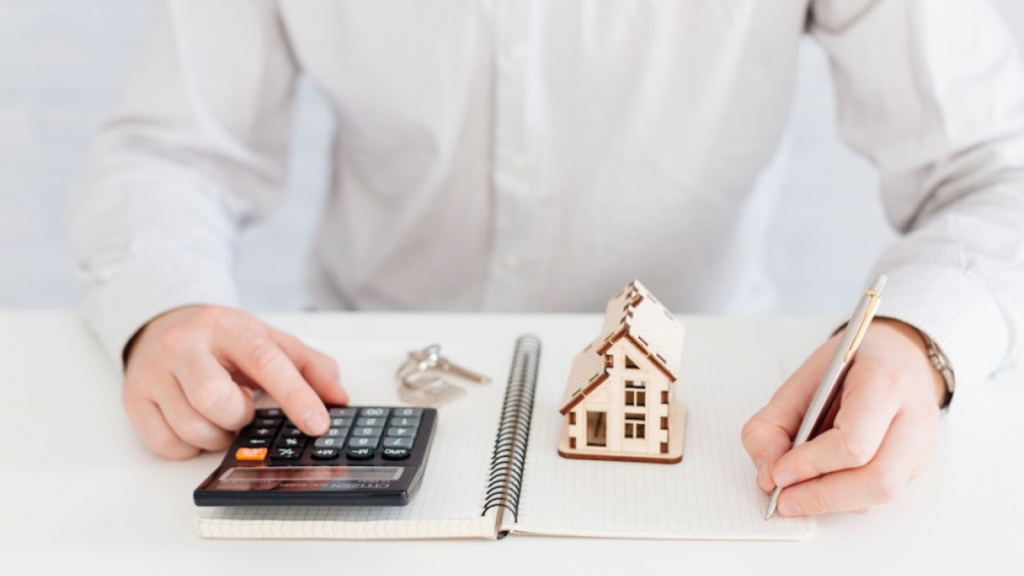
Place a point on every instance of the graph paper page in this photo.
(450, 499)
(711, 494)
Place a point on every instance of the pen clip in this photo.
(869, 313)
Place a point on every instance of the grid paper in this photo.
(712, 494)
(450, 499)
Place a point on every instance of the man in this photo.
(518, 155)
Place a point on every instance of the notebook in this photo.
(473, 490)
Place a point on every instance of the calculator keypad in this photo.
(273, 463)
(356, 435)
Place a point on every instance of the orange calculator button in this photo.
(251, 454)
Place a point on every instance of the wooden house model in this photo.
(618, 403)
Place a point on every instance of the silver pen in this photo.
(831, 381)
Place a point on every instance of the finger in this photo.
(861, 488)
(266, 364)
(866, 410)
(187, 423)
(769, 433)
(210, 389)
(319, 369)
(156, 433)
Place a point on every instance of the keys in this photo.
(406, 422)
(369, 432)
(250, 454)
(398, 442)
(325, 454)
(259, 432)
(285, 453)
(255, 441)
(329, 442)
(396, 453)
(430, 359)
(290, 442)
(364, 434)
(425, 379)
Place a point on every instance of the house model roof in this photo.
(633, 314)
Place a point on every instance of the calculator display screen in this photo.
(306, 478)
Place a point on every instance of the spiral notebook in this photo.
(494, 469)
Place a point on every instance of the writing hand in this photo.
(190, 372)
(881, 438)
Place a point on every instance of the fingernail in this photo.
(762, 472)
(315, 423)
(788, 508)
(785, 479)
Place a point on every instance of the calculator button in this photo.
(378, 412)
(325, 454)
(251, 454)
(398, 442)
(370, 421)
(255, 442)
(406, 422)
(359, 453)
(285, 453)
(329, 442)
(292, 431)
(347, 412)
(290, 442)
(365, 442)
(340, 432)
(341, 422)
(408, 412)
(367, 432)
(396, 431)
(267, 422)
(269, 413)
(259, 432)
(396, 453)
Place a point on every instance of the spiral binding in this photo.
(509, 457)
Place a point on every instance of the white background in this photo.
(61, 63)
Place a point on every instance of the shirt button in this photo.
(512, 262)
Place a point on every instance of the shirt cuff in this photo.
(148, 285)
(956, 312)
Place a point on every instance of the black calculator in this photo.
(370, 456)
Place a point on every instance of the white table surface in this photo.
(79, 493)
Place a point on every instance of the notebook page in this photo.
(711, 494)
(450, 499)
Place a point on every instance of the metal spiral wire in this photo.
(509, 457)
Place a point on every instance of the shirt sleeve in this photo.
(932, 92)
(196, 148)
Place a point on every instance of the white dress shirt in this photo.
(534, 155)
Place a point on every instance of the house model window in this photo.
(618, 401)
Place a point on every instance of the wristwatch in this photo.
(941, 364)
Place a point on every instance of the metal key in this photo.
(430, 359)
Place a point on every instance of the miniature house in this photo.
(618, 404)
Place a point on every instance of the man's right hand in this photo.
(190, 373)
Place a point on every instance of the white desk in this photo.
(79, 493)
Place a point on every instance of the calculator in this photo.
(370, 456)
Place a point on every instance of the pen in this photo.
(831, 381)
